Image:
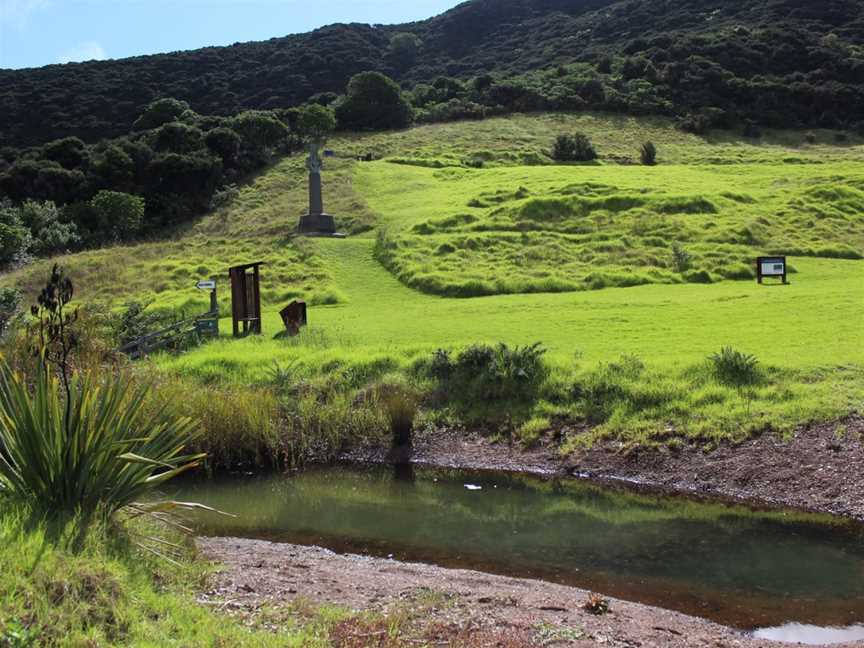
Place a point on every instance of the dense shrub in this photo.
(14, 238)
(373, 101)
(490, 374)
(119, 213)
(574, 148)
(648, 154)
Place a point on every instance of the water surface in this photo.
(740, 567)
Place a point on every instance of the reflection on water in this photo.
(811, 635)
(730, 564)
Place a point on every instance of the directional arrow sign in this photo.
(210, 284)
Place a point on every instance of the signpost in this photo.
(208, 324)
(771, 267)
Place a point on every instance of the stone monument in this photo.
(316, 221)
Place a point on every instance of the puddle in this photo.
(811, 635)
(743, 568)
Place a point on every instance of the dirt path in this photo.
(821, 468)
(446, 607)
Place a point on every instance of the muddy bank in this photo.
(484, 609)
(820, 468)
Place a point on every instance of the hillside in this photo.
(632, 361)
(782, 63)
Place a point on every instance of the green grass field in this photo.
(538, 241)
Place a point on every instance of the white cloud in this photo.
(17, 13)
(86, 51)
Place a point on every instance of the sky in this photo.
(43, 32)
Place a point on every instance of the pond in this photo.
(740, 567)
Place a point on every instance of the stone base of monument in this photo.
(320, 224)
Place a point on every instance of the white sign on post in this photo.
(773, 269)
(209, 284)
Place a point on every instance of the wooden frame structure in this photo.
(246, 298)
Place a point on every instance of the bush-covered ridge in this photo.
(783, 62)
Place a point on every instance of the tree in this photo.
(404, 48)
(260, 129)
(225, 143)
(574, 148)
(160, 112)
(315, 123)
(14, 241)
(69, 152)
(119, 213)
(114, 168)
(373, 101)
(177, 137)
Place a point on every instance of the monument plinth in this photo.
(316, 221)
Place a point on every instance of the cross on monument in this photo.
(316, 221)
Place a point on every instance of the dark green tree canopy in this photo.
(373, 102)
(161, 112)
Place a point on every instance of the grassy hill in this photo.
(545, 229)
(782, 62)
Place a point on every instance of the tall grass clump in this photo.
(491, 382)
(734, 368)
(72, 445)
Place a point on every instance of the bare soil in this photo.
(820, 468)
(446, 607)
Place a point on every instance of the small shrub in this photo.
(648, 154)
(734, 368)
(681, 259)
(574, 148)
(10, 302)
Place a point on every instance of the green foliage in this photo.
(119, 213)
(260, 129)
(735, 368)
(574, 148)
(160, 112)
(177, 137)
(10, 303)
(648, 154)
(14, 239)
(96, 453)
(404, 48)
(491, 374)
(69, 152)
(374, 102)
(315, 122)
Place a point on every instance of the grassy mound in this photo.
(598, 234)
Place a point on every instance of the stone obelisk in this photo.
(317, 221)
